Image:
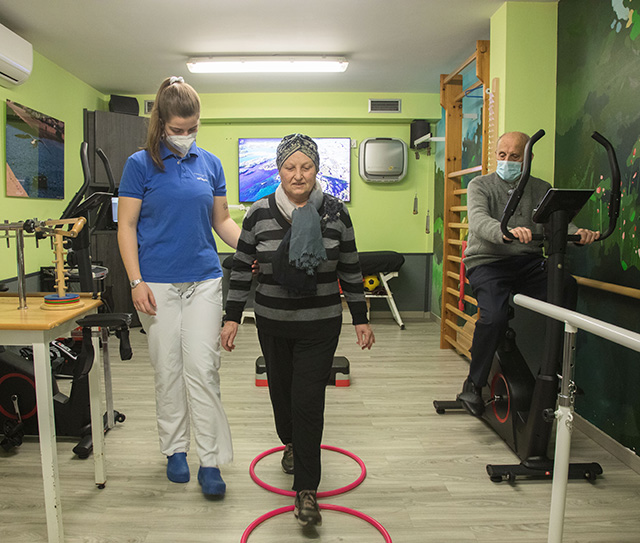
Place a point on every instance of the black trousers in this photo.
(298, 372)
(493, 284)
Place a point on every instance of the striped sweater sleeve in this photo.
(349, 271)
(241, 271)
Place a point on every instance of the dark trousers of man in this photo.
(298, 372)
(493, 284)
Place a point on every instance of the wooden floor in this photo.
(426, 479)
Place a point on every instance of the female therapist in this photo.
(172, 194)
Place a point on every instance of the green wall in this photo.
(598, 50)
(59, 94)
(523, 58)
(382, 212)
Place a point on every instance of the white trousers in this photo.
(184, 347)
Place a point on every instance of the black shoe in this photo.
(287, 459)
(306, 508)
(471, 398)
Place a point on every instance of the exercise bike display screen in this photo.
(569, 200)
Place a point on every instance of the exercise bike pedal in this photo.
(441, 406)
(13, 435)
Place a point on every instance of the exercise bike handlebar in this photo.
(516, 195)
(614, 202)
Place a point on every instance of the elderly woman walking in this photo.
(304, 242)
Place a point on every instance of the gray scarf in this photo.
(306, 250)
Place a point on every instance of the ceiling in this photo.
(130, 46)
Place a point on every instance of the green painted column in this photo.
(524, 59)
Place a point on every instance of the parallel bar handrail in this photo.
(600, 328)
(564, 413)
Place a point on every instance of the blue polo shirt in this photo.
(175, 238)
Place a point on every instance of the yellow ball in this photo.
(371, 282)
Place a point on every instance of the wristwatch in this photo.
(135, 283)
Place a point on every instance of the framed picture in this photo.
(35, 153)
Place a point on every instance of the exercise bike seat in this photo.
(119, 322)
(107, 320)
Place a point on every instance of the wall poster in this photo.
(35, 153)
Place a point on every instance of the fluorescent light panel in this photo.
(282, 64)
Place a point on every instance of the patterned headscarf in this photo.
(297, 142)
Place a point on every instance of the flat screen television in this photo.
(258, 175)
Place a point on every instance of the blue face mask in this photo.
(509, 171)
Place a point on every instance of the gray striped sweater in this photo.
(278, 311)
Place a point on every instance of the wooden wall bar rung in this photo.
(454, 258)
(459, 192)
(458, 209)
(462, 67)
(461, 314)
(458, 225)
(456, 277)
(466, 297)
(466, 171)
(460, 330)
(457, 242)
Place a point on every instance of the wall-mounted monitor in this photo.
(383, 160)
(258, 175)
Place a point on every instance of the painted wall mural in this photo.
(598, 82)
(598, 89)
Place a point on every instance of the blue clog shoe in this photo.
(177, 468)
(211, 482)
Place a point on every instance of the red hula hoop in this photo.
(325, 506)
(325, 494)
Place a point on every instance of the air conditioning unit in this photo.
(16, 58)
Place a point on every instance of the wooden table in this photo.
(37, 327)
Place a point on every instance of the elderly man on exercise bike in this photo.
(498, 267)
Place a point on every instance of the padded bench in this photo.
(385, 265)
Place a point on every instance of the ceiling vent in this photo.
(148, 106)
(385, 106)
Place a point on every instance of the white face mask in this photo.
(182, 144)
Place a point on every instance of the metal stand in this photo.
(564, 416)
(42, 228)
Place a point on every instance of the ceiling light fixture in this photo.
(267, 64)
